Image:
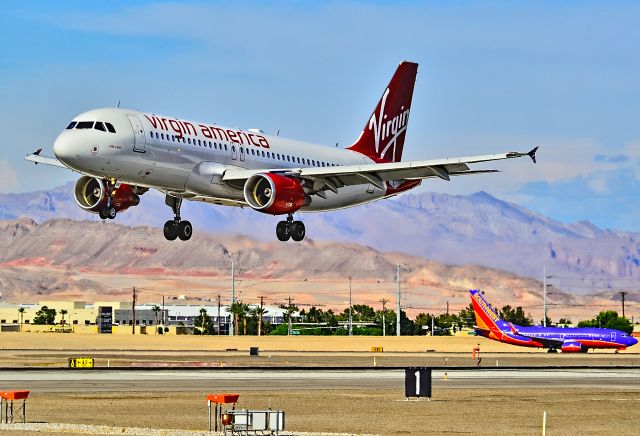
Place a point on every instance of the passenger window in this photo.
(162, 135)
(313, 162)
(233, 148)
(84, 125)
(209, 144)
(262, 153)
(110, 127)
(189, 140)
(225, 147)
(199, 143)
(298, 159)
(269, 154)
(71, 125)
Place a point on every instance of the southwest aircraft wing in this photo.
(546, 342)
(379, 173)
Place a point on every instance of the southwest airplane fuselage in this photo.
(570, 339)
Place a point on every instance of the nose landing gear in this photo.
(290, 229)
(176, 228)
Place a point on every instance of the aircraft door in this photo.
(613, 336)
(234, 152)
(242, 153)
(139, 139)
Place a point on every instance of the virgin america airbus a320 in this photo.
(122, 153)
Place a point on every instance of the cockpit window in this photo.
(84, 125)
(110, 127)
(99, 126)
(71, 125)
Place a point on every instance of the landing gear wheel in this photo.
(103, 214)
(283, 231)
(170, 230)
(552, 350)
(111, 212)
(297, 231)
(185, 230)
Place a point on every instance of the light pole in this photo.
(350, 310)
(384, 313)
(622, 294)
(544, 295)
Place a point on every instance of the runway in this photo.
(56, 380)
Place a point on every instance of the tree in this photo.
(45, 316)
(515, 316)
(63, 312)
(21, 314)
(608, 319)
(239, 311)
(203, 324)
(467, 316)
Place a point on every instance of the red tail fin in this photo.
(383, 136)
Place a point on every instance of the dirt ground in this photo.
(451, 411)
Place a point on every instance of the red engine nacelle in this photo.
(92, 194)
(275, 194)
(572, 347)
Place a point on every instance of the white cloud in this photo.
(9, 177)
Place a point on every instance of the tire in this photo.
(170, 230)
(297, 231)
(102, 214)
(185, 230)
(111, 212)
(283, 232)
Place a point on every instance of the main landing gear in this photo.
(176, 228)
(109, 212)
(290, 229)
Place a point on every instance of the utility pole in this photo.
(622, 294)
(233, 297)
(219, 302)
(447, 307)
(260, 321)
(133, 323)
(433, 317)
(289, 312)
(398, 314)
(162, 317)
(544, 295)
(350, 310)
(384, 313)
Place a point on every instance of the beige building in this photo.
(75, 312)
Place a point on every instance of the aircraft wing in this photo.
(377, 174)
(546, 342)
(37, 159)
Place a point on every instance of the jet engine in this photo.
(572, 347)
(92, 194)
(275, 194)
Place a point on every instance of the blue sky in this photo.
(494, 76)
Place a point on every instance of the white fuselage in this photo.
(188, 159)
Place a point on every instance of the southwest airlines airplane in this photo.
(122, 153)
(568, 340)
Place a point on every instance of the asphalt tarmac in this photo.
(123, 380)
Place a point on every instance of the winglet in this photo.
(532, 154)
(37, 152)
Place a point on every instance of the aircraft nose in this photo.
(63, 148)
(632, 341)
